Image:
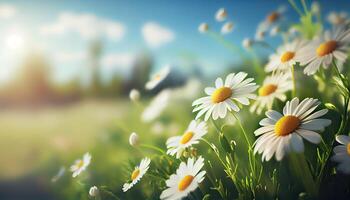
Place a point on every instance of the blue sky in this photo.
(181, 18)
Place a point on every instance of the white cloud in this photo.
(117, 60)
(7, 11)
(88, 26)
(64, 57)
(156, 35)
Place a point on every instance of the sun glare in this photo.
(14, 41)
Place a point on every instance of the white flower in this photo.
(227, 28)
(342, 153)
(247, 43)
(157, 78)
(271, 19)
(203, 28)
(80, 165)
(225, 97)
(322, 51)
(134, 95)
(187, 178)
(260, 35)
(221, 15)
(275, 30)
(285, 56)
(156, 107)
(274, 86)
(337, 18)
(133, 139)
(93, 192)
(137, 174)
(281, 134)
(315, 7)
(177, 144)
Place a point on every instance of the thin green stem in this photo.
(294, 82)
(292, 3)
(227, 44)
(304, 6)
(243, 130)
(215, 125)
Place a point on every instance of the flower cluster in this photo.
(290, 119)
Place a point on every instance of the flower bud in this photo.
(247, 43)
(134, 95)
(221, 15)
(203, 28)
(93, 192)
(134, 139)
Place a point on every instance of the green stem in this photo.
(300, 167)
(243, 130)
(292, 3)
(293, 79)
(304, 6)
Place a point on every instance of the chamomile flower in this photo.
(247, 43)
(332, 45)
(285, 56)
(227, 28)
(203, 28)
(225, 96)
(342, 153)
(185, 180)
(221, 15)
(271, 19)
(282, 133)
(177, 144)
(156, 107)
(80, 165)
(137, 174)
(338, 18)
(157, 78)
(274, 86)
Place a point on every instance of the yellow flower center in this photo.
(221, 94)
(273, 17)
(286, 125)
(80, 164)
(185, 182)
(186, 137)
(326, 48)
(135, 174)
(287, 56)
(267, 89)
(348, 148)
(157, 76)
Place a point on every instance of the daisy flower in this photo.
(221, 15)
(227, 28)
(247, 43)
(271, 19)
(157, 106)
(137, 174)
(195, 131)
(338, 18)
(225, 96)
(80, 165)
(157, 78)
(285, 56)
(187, 178)
(342, 153)
(321, 51)
(203, 28)
(274, 86)
(282, 133)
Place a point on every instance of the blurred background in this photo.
(67, 67)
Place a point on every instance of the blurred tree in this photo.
(140, 71)
(95, 51)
